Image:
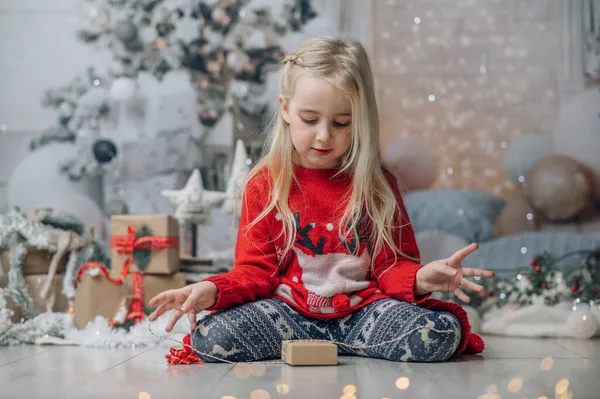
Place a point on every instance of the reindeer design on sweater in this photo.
(327, 275)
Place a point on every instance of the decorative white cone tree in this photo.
(239, 172)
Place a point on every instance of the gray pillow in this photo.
(436, 245)
(469, 214)
(505, 254)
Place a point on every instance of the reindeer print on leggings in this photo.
(326, 275)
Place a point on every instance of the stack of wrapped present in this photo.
(144, 262)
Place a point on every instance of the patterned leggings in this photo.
(254, 331)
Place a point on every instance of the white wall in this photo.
(38, 50)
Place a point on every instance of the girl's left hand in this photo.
(447, 275)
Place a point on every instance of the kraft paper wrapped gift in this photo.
(34, 285)
(125, 233)
(97, 296)
(37, 261)
(309, 353)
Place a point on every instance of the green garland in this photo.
(543, 281)
(585, 281)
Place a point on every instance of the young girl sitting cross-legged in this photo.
(325, 249)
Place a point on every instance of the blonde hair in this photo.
(346, 66)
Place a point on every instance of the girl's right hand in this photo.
(190, 299)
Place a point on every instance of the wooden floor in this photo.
(510, 368)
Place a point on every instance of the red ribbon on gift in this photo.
(126, 244)
(137, 303)
(103, 270)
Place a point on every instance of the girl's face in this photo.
(320, 118)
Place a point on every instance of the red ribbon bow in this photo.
(183, 356)
(128, 243)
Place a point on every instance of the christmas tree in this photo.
(227, 46)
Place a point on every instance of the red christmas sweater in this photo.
(323, 276)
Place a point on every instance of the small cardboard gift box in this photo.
(309, 353)
(37, 261)
(151, 242)
(34, 285)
